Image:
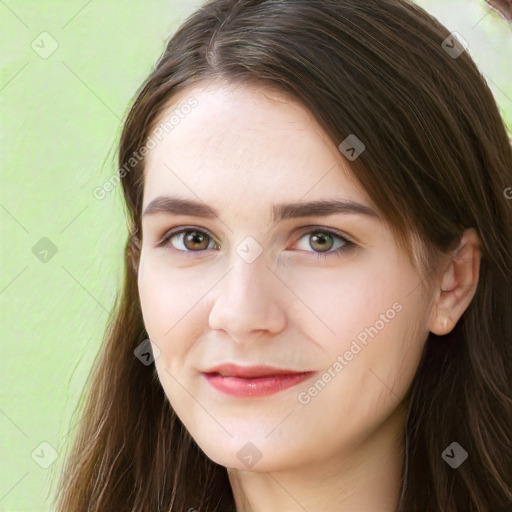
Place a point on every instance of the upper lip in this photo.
(246, 372)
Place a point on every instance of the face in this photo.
(328, 299)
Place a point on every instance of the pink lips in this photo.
(253, 380)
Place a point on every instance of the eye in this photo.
(323, 240)
(188, 240)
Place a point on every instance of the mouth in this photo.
(253, 381)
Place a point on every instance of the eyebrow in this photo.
(319, 208)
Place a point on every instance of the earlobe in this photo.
(458, 284)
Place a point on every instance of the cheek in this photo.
(374, 320)
(349, 302)
(167, 307)
(366, 381)
(167, 295)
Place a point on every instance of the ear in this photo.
(457, 284)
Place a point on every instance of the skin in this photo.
(241, 150)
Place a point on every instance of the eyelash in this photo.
(348, 244)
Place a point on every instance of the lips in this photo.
(253, 381)
(251, 372)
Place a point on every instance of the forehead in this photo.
(246, 104)
(245, 139)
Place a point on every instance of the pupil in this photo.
(195, 238)
(323, 239)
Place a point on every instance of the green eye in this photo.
(194, 240)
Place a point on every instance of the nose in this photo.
(247, 301)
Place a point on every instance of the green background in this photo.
(61, 248)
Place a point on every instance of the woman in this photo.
(316, 307)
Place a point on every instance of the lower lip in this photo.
(262, 386)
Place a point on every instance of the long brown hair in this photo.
(438, 160)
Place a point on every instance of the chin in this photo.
(241, 454)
